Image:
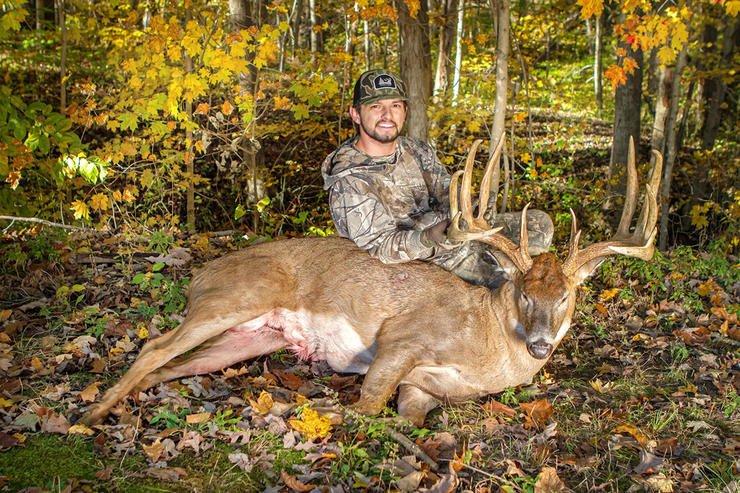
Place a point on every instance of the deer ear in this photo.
(585, 271)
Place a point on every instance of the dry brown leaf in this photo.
(154, 451)
(649, 463)
(166, 473)
(549, 482)
(495, 407)
(97, 366)
(55, 423)
(289, 380)
(89, 393)
(537, 413)
(446, 484)
(197, 418)
(80, 429)
(104, 474)
(295, 485)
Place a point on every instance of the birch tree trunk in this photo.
(458, 51)
(502, 73)
(416, 66)
(446, 34)
(670, 149)
(598, 79)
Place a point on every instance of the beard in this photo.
(384, 138)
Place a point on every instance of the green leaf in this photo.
(239, 212)
(128, 121)
(158, 266)
(138, 278)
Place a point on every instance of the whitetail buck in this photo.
(410, 326)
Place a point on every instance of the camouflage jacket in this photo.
(383, 203)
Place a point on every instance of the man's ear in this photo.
(354, 114)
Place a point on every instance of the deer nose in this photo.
(539, 349)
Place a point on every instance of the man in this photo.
(389, 194)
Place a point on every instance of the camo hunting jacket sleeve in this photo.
(362, 217)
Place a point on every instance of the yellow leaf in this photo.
(615, 74)
(80, 429)
(99, 202)
(526, 157)
(600, 386)
(263, 404)
(633, 431)
(89, 393)
(666, 55)
(591, 8)
(311, 425)
(732, 7)
(680, 36)
(80, 210)
(282, 103)
(143, 332)
(608, 294)
(5, 402)
(520, 117)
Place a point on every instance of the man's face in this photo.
(381, 120)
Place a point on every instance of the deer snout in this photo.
(539, 349)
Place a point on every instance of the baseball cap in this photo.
(377, 84)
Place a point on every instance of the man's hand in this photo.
(436, 236)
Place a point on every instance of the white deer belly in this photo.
(319, 337)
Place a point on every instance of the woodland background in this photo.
(141, 138)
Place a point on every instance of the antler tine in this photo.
(640, 243)
(493, 171)
(461, 204)
(630, 199)
(575, 235)
(524, 237)
(466, 201)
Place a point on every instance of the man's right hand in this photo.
(436, 236)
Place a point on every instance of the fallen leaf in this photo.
(263, 404)
(633, 432)
(166, 473)
(549, 482)
(197, 418)
(80, 429)
(295, 485)
(311, 425)
(537, 413)
(411, 481)
(242, 461)
(104, 474)
(495, 407)
(55, 423)
(7, 441)
(97, 366)
(89, 393)
(447, 483)
(154, 451)
(662, 484)
(649, 463)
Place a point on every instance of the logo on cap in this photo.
(384, 82)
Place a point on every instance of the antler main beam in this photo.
(477, 228)
(641, 243)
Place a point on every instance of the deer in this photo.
(411, 327)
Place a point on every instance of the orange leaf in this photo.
(549, 482)
(227, 108)
(89, 393)
(633, 432)
(295, 485)
(496, 407)
(537, 413)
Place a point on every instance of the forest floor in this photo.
(640, 396)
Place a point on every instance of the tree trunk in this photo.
(312, 18)
(626, 120)
(446, 34)
(63, 60)
(662, 105)
(598, 79)
(416, 66)
(366, 44)
(502, 73)
(458, 51)
(670, 149)
(715, 88)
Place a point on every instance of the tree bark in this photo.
(416, 66)
(63, 60)
(502, 73)
(670, 149)
(598, 79)
(459, 31)
(715, 88)
(626, 120)
(446, 35)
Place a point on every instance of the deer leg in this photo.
(414, 403)
(199, 327)
(225, 350)
(391, 364)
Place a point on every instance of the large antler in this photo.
(477, 228)
(640, 243)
